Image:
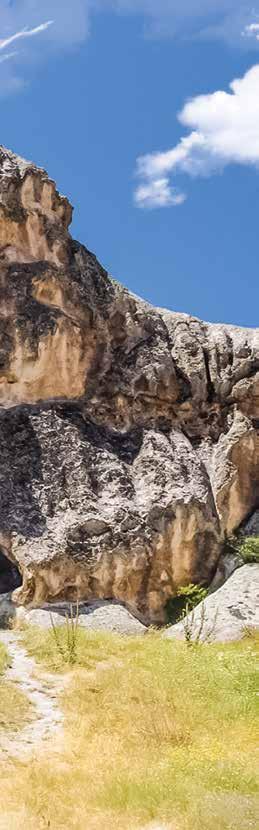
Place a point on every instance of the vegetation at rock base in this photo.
(155, 732)
(247, 547)
(185, 600)
(14, 706)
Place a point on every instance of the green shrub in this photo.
(185, 600)
(247, 547)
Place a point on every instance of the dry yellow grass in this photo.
(156, 734)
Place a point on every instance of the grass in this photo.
(155, 733)
(3, 659)
(91, 648)
(15, 710)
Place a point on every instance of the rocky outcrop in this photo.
(96, 616)
(228, 614)
(93, 512)
(128, 435)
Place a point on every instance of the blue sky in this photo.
(106, 95)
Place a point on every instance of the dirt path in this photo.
(42, 692)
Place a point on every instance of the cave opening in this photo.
(10, 577)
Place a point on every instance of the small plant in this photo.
(186, 599)
(67, 648)
(246, 547)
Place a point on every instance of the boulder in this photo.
(97, 616)
(228, 614)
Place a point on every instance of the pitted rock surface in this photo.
(128, 435)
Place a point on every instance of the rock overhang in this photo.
(82, 360)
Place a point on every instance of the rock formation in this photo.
(227, 615)
(103, 615)
(129, 435)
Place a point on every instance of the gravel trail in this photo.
(42, 692)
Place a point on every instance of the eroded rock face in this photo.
(128, 435)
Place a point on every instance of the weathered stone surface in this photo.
(228, 563)
(128, 435)
(228, 613)
(98, 616)
(97, 514)
(235, 476)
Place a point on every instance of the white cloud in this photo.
(158, 193)
(25, 33)
(171, 17)
(9, 81)
(71, 19)
(224, 130)
(251, 30)
(227, 19)
(71, 28)
(253, 27)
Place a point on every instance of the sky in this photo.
(146, 114)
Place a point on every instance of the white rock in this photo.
(98, 616)
(228, 612)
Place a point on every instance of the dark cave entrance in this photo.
(10, 577)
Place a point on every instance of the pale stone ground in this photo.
(42, 692)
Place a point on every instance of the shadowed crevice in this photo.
(10, 577)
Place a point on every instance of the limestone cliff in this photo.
(129, 435)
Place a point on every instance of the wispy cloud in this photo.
(26, 32)
(157, 193)
(10, 81)
(225, 19)
(251, 30)
(7, 56)
(224, 130)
